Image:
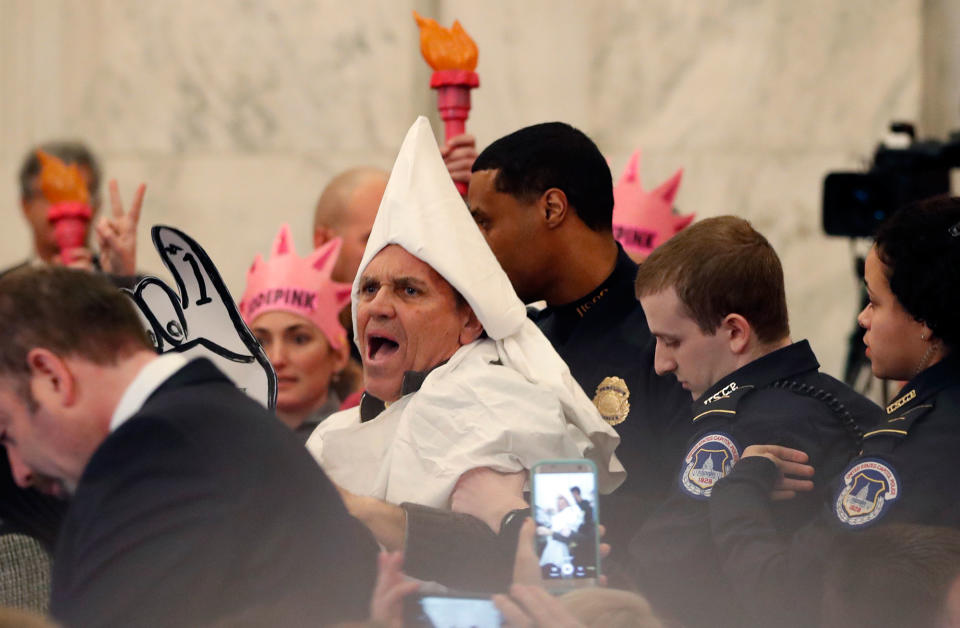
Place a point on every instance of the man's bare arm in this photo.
(387, 523)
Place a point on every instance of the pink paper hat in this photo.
(298, 285)
(643, 220)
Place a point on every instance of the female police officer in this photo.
(904, 471)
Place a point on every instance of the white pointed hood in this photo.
(422, 212)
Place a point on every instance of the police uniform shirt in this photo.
(605, 340)
(780, 399)
(904, 473)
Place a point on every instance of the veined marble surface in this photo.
(237, 112)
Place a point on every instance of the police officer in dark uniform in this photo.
(715, 300)
(904, 472)
(543, 197)
(604, 339)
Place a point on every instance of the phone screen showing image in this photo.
(450, 611)
(565, 511)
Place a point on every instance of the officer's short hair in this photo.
(894, 575)
(553, 155)
(920, 246)
(70, 152)
(721, 266)
(70, 312)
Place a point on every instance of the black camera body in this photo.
(855, 203)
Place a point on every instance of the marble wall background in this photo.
(237, 112)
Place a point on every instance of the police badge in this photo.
(869, 484)
(709, 460)
(612, 399)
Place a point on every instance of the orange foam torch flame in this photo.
(61, 183)
(446, 48)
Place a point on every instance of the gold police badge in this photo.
(613, 400)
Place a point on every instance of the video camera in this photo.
(904, 170)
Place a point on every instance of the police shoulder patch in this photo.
(869, 486)
(711, 458)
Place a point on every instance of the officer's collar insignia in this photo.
(870, 485)
(900, 425)
(612, 400)
(710, 459)
(903, 400)
(724, 401)
(584, 306)
(725, 393)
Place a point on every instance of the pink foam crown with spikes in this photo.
(643, 220)
(298, 285)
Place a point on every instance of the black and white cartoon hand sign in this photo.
(199, 318)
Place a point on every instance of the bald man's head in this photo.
(347, 208)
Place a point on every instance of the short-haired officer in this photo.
(715, 301)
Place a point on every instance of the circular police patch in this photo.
(711, 458)
(869, 486)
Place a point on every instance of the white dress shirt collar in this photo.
(150, 377)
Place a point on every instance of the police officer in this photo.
(715, 301)
(543, 198)
(904, 470)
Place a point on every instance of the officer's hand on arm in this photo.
(117, 235)
(489, 495)
(386, 604)
(459, 153)
(386, 522)
(791, 465)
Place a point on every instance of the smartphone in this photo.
(565, 508)
(451, 610)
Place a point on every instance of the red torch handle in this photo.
(453, 102)
(70, 220)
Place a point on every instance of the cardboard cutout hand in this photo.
(200, 317)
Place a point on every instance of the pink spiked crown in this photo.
(643, 220)
(298, 285)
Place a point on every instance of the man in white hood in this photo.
(456, 376)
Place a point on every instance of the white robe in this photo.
(469, 413)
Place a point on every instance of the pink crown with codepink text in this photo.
(298, 285)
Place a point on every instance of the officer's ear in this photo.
(554, 207)
(737, 331)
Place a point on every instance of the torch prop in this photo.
(453, 56)
(70, 220)
(66, 190)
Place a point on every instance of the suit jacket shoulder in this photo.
(203, 506)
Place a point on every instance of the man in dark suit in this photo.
(191, 503)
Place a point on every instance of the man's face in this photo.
(35, 211)
(355, 228)
(513, 231)
(407, 318)
(38, 446)
(698, 360)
